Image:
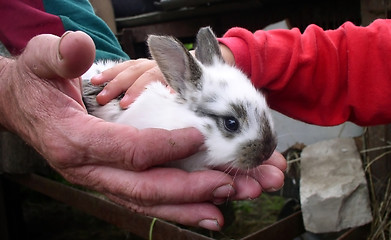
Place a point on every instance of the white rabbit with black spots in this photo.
(210, 95)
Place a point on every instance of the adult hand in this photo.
(132, 76)
(40, 100)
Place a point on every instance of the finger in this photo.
(277, 160)
(205, 215)
(108, 74)
(167, 146)
(245, 184)
(120, 78)
(153, 186)
(66, 57)
(250, 184)
(269, 177)
(247, 188)
(111, 73)
(165, 193)
(138, 87)
(112, 90)
(119, 145)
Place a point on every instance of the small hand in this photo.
(130, 77)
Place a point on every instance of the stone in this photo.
(333, 188)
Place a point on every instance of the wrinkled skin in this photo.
(40, 100)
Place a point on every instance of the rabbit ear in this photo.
(178, 66)
(207, 46)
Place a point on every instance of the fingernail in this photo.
(126, 98)
(219, 201)
(102, 93)
(98, 76)
(273, 189)
(210, 224)
(59, 43)
(125, 101)
(224, 191)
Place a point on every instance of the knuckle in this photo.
(140, 160)
(144, 194)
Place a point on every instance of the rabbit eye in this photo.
(231, 124)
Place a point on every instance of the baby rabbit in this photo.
(217, 99)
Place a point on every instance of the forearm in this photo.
(4, 64)
(321, 77)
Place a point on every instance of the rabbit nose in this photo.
(269, 141)
(255, 152)
(268, 150)
(265, 153)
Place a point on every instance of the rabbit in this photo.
(210, 95)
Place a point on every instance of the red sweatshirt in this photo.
(320, 77)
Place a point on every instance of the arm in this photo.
(55, 17)
(320, 77)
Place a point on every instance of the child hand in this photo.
(130, 77)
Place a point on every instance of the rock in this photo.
(333, 187)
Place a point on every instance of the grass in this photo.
(246, 217)
(379, 190)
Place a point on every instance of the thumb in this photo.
(66, 57)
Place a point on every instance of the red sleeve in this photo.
(21, 20)
(320, 77)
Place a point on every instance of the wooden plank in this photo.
(4, 225)
(134, 35)
(101, 208)
(175, 4)
(182, 14)
(358, 233)
(11, 213)
(285, 229)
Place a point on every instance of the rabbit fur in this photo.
(212, 96)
